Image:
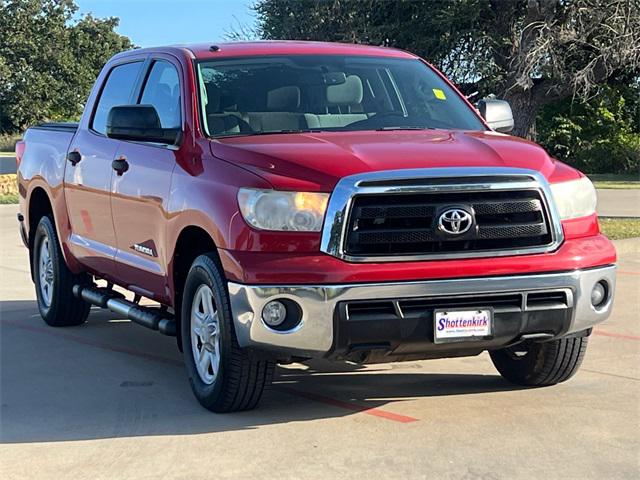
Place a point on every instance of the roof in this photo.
(271, 47)
(283, 47)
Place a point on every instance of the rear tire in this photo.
(229, 378)
(54, 281)
(541, 364)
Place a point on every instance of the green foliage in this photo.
(442, 31)
(8, 142)
(49, 60)
(601, 135)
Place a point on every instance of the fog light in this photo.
(599, 294)
(274, 313)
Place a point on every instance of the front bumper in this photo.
(326, 329)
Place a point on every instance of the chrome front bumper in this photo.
(314, 335)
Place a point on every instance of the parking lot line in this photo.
(625, 377)
(603, 333)
(376, 412)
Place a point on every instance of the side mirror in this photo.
(139, 123)
(497, 114)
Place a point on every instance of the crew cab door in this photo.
(141, 193)
(88, 172)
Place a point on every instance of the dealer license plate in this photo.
(452, 325)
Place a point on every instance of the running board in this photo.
(147, 317)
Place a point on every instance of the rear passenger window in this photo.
(117, 91)
(162, 90)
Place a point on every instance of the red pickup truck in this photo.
(283, 201)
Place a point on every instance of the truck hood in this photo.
(316, 161)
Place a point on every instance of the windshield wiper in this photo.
(276, 132)
(407, 127)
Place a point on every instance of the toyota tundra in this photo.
(277, 202)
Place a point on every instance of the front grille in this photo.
(407, 224)
(511, 302)
(508, 302)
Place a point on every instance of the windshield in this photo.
(299, 93)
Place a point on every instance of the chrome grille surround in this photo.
(433, 180)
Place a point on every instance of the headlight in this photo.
(284, 211)
(576, 198)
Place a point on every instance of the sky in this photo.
(150, 23)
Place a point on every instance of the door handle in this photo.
(74, 157)
(120, 165)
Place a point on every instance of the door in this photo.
(141, 193)
(88, 175)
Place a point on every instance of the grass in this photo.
(618, 228)
(7, 154)
(11, 199)
(617, 182)
(8, 189)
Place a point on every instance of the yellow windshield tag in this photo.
(439, 94)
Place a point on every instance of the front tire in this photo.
(54, 281)
(223, 376)
(541, 364)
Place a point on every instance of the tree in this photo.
(49, 60)
(601, 135)
(531, 52)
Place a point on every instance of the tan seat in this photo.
(219, 122)
(282, 103)
(346, 98)
(227, 123)
(282, 106)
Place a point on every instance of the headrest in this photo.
(347, 93)
(283, 99)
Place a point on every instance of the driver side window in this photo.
(162, 90)
(117, 90)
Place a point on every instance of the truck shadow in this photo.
(110, 378)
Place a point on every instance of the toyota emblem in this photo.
(455, 221)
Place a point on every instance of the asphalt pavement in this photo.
(7, 165)
(110, 400)
(619, 203)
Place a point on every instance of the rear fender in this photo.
(56, 199)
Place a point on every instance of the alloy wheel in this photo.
(205, 335)
(45, 270)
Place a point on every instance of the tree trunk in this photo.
(525, 110)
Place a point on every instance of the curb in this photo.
(627, 245)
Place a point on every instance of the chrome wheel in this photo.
(45, 270)
(205, 339)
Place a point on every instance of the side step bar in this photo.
(147, 317)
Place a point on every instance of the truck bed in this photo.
(58, 126)
(46, 152)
